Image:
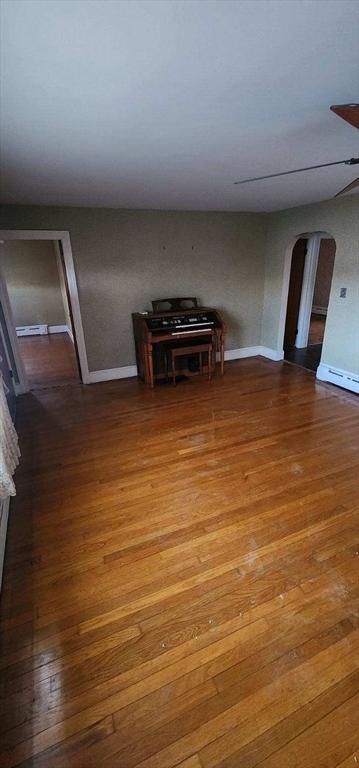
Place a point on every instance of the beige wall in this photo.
(123, 259)
(340, 219)
(33, 282)
(323, 279)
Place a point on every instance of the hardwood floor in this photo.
(49, 360)
(316, 329)
(308, 357)
(181, 576)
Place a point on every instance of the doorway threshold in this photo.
(308, 357)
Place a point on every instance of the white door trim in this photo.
(287, 266)
(4, 514)
(306, 299)
(8, 359)
(284, 295)
(64, 236)
(69, 329)
(21, 384)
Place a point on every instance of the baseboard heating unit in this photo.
(31, 330)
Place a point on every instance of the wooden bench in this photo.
(197, 349)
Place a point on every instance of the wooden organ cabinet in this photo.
(158, 332)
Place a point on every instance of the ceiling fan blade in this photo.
(349, 112)
(352, 185)
(351, 161)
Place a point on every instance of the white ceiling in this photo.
(164, 104)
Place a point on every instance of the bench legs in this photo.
(208, 349)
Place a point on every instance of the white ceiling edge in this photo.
(165, 104)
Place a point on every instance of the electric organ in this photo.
(175, 323)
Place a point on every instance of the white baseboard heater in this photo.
(40, 330)
(338, 376)
(31, 330)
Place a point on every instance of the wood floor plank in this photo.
(65, 753)
(192, 762)
(181, 575)
(146, 745)
(351, 761)
(270, 741)
(223, 734)
(322, 744)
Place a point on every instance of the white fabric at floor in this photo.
(9, 446)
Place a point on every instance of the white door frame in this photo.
(64, 237)
(285, 283)
(5, 342)
(306, 299)
(65, 301)
(19, 376)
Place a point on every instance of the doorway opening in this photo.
(310, 282)
(40, 311)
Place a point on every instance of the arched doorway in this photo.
(310, 281)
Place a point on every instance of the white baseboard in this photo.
(58, 329)
(128, 371)
(237, 354)
(338, 376)
(4, 514)
(61, 329)
(319, 310)
(273, 354)
(125, 372)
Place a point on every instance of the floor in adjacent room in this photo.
(309, 357)
(316, 329)
(181, 575)
(49, 360)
